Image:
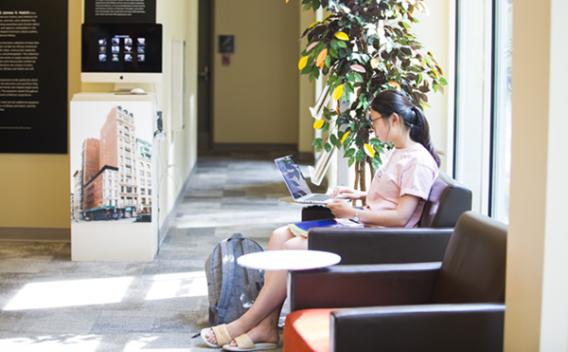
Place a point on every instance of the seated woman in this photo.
(395, 199)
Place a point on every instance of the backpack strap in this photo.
(228, 270)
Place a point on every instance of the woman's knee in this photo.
(296, 243)
(279, 237)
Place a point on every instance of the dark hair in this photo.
(390, 101)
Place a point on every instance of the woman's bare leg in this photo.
(267, 329)
(270, 297)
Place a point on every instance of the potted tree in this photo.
(363, 47)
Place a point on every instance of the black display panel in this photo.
(135, 48)
(113, 11)
(33, 76)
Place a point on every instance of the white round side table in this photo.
(289, 260)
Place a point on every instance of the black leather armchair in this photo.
(456, 305)
(447, 201)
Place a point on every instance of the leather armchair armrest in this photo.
(436, 327)
(362, 285)
(381, 245)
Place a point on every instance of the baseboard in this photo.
(305, 157)
(171, 217)
(35, 234)
(254, 147)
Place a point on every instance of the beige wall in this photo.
(537, 284)
(256, 97)
(525, 250)
(35, 188)
(307, 92)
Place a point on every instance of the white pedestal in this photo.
(113, 242)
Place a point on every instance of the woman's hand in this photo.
(341, 209)
(347, 193)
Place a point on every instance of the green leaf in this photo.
(357, 77)
(360, 155)
(377, 144)
(317, 140)
(376, 163)
(333, 52)
(333, 44)
(318, 143)
(328, 147)
(351, 161)
(350, 152)
(341, 44)
(333, 139)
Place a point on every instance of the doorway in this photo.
(205, 65)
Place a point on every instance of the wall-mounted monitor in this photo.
(128, 53)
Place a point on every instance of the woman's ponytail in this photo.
(420, 132)
(390, 101)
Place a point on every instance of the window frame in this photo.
(499, 118)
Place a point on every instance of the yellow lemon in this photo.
(338, 92)
(369, 150)
(318, 124)
(342, 36)
(345, 136)
(320, 61)
(303, 62)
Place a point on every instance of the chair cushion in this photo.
(473, 269)
(446, 203)
(307, 331)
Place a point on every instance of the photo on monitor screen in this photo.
(134, 48)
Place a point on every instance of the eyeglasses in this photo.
(372, 121)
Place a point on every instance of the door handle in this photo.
(204, 74)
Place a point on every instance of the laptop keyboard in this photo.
(317, 197)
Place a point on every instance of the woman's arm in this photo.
(348, 193)
(398, 217)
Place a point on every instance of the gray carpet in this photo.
(52, 304)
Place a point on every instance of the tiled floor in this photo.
(49, 303)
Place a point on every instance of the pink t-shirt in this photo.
(408, 171)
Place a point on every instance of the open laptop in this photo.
(296, 183)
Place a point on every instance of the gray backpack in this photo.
(232, 288)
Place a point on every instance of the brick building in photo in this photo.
(116, 169)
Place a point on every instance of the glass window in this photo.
(501, 139)
(473, 98)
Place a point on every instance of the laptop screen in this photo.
(292, 177)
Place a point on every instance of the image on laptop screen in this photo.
(292, 177)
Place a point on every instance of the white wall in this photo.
(435, 32)
(179, 155)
